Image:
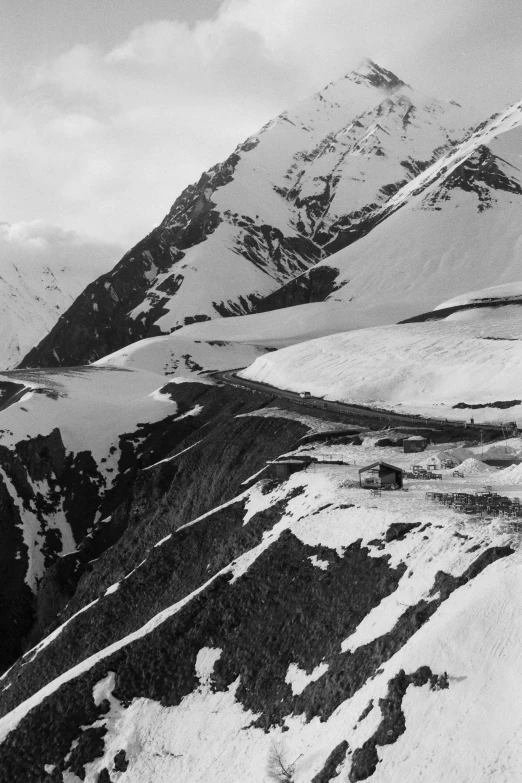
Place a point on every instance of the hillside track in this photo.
(389, 417)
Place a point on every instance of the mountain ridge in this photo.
(314, 179)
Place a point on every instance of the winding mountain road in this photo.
(230, 377)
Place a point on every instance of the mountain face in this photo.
(69, 445)
(455, 227)
(195, 586)
(33, 295)
(311, 182)
(73, 444)
(302, 623)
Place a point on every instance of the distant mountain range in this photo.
(37, 285)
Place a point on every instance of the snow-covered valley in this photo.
(204, 578)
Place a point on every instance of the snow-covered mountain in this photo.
(455, 227)
(194, 585)
(35, 290)
(312, 181)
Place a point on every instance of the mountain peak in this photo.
(377, 76)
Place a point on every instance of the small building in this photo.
(329, 459)
(380, 475)
(280, 470)
(414, 444)
(305, 394)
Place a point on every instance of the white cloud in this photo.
(37, 234)
(38, 243)
(104, 141)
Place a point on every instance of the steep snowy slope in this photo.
(69, 444)
(33, 295)
(308, 624)
(469, 362)
(181, 357)
(457, 226)
(74, 444)
(313, 180)
(225, 343)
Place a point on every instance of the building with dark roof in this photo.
(380, 475)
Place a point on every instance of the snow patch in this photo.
(298, 679)
(323, 564)
(205, 662)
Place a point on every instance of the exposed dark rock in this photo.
(393, 723)
(90, 746)
(161, 499)
(366, 711)
(332, 764)
(10, 392)
(313, 286)
(43, 456)
(440, 315)
(497, 404)
(482, 173)
(380, 77)
(398, 530)
(16, 598)
(260, 634)
(121, 761)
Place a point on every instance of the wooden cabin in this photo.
(280, 470)
(380, 475)
(414, 444)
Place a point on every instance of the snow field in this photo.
(92, 407)
(177, 356)
(423, 368)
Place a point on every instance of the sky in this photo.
(109, 108)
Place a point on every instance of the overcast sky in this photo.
(109, 108)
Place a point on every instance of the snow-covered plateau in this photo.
(466, 364)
